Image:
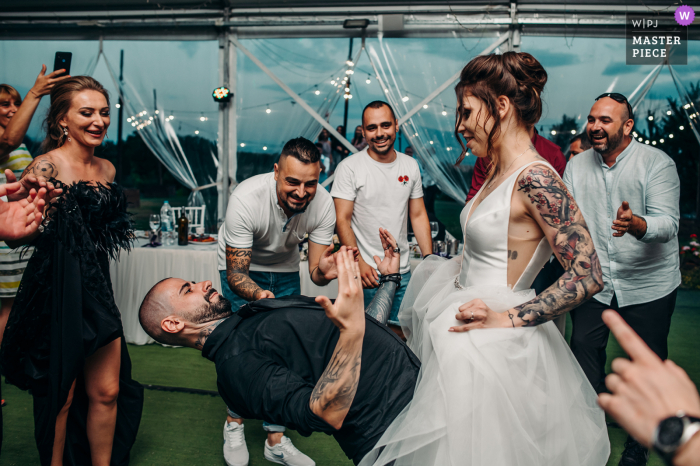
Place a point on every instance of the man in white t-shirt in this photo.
(380, 188)
(267, 218)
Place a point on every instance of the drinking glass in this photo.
(154, 223)
(434, 228)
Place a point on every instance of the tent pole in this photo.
(223, 127)
(295, 96)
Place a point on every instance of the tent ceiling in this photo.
(203, 20)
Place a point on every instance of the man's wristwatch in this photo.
(672, 433)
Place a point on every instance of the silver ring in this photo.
(472, 316)
(355, 278)
(397, 250)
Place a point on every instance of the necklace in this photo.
(506, 170)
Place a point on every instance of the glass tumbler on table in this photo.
(434, 229)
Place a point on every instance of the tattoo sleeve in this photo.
(335, 390)
(237, 269)
(43, 168)
(380, 307)
(573, 246)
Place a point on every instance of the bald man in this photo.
(286, 361)
(628, 192)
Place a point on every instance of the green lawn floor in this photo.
(186, 429)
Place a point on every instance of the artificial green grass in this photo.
(186, 429)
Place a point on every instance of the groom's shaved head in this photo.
(175, 305)
(154, 308)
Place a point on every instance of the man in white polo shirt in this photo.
(267, 218)
(380, 188)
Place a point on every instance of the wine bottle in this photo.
(182, 229)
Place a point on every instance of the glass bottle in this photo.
(182, 228)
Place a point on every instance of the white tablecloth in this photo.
(136, 273)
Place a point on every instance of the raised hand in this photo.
(623, 220)
(22, 218)
(645, 390)
(29, 182)
(45, 82)
(327, 264)
(368, 274)
(392, 260)
(347, 313)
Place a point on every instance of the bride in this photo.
(498, 384)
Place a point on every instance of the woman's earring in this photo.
(65, 133)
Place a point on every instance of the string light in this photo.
(641, 139)
(349, 72)
(405, 98)
(573, 131)
(243, 144)
(128, 120)
(668, 112)
(264, 147)
(268, 109)
(646, 142)
(554, 133)
(681, 127)
(449, 148)
(368, 80)
(661, 140)
(203, 118)
(670, 136)
(651, 118)
(171, 117)
(431, 142)
(686, 106)
(425, 105)
(317, 92)
(333, 82)
(653, 143)
(349, 63)
(196, 131)
(444, 113)
(157, 112)
(347, 89)
(118, 106)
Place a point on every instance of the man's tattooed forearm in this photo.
(205, 332)
(336, 388)
(583, 277)
(237, 267)
(380, 307)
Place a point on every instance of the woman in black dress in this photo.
(64, 337)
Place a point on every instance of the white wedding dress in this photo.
(496, 397)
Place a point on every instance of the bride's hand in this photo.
(476, 314)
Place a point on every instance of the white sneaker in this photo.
(235, 449)
(286, 453)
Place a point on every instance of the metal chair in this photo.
(195, 216)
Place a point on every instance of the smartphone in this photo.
(62, 61)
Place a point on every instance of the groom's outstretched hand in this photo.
(347, 313)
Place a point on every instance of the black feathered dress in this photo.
(64, 312)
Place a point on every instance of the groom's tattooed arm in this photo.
(237, 269)
(335, 390)
(380, 307)
(556, 211)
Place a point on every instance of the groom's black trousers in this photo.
(651, 321)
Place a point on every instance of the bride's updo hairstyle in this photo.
(61, 96)
(516, 75)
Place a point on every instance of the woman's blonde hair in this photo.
(11, 91)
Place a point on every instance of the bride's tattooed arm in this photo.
(556, 211)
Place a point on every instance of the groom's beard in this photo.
(215, 310)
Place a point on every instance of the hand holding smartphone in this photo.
(62, 61)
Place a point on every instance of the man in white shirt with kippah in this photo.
(628, 193)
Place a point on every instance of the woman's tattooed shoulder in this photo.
(43, 167)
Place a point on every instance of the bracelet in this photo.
(311, 275)
(392, 277)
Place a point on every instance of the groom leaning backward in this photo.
(285, 361)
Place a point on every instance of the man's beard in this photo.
(613, 141)
(213, 311)
(296, 208)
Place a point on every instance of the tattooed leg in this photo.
(380, 307)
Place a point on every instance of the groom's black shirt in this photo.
(268, 364)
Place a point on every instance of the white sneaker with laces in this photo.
(235, 449)
(286, 453)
